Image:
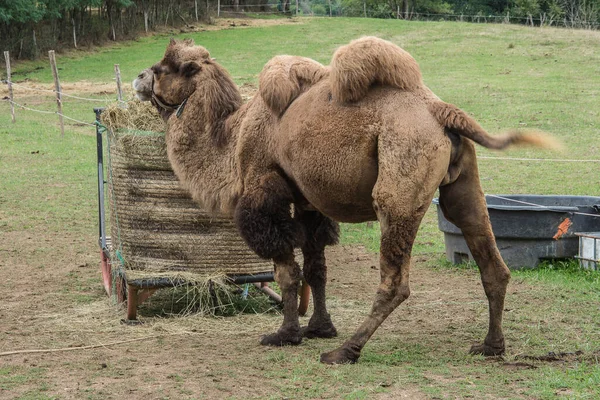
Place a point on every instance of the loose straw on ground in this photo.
(94, 346)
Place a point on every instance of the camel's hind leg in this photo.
(398, 233)
(319, 231)
(463, 204)
(402, 194)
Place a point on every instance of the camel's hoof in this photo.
(486, 350)
(342, 355)
(324, 331)
(281, 339)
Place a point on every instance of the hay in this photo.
(157, 230)
(138, 115)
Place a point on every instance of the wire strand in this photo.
(538, 205)
(7, 82)
(535, 159)
(49, 112)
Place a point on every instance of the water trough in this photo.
(529, 228)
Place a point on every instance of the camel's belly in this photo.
(343, 200)
(337, 179)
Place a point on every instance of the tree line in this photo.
(30, 27)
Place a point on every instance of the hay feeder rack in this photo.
(157, 232)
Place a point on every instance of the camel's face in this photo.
(142, 85)
(173, 82)
(175, 76)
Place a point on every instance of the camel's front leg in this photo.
(264, 220)
(287, 276)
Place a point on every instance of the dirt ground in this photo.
(59, 303)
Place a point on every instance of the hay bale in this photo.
(156, 227)
(137, 115)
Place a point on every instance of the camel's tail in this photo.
(457, 121)
(284, 78)
(364, 62)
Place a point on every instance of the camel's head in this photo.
(174, 78)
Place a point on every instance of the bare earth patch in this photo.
(56, 301)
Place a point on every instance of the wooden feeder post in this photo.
(10, 89)
(57, 90)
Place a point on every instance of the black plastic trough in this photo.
(527, 227)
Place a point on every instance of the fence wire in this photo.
(48, 112)
(54, 92)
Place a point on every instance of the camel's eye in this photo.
(157, 69)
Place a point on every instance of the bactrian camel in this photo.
(360, 140)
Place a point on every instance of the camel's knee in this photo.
(287, 276)
(390, 296)
(264, 221)
(503, 275)
(495, 281)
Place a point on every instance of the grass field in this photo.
(505, 76)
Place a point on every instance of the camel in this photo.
(362, 139)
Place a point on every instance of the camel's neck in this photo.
(201, 144)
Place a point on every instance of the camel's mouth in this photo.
(142, 85)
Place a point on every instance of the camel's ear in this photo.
(172, 42)
(190, 69)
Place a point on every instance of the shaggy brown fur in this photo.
(284, 78)
(367, 61)
(382, 157)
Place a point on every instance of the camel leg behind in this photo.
(463, 204)
(319, 231)
(407, 180)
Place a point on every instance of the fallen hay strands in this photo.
(10, 353)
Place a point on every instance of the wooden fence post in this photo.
(218, 8)
(57, 90)
(296, 8)
(10, 89)
(118, 78)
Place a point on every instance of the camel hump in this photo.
(363, 62)
(284, 78)
(458, 122)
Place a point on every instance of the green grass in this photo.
(506, 76)
(17, 378)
